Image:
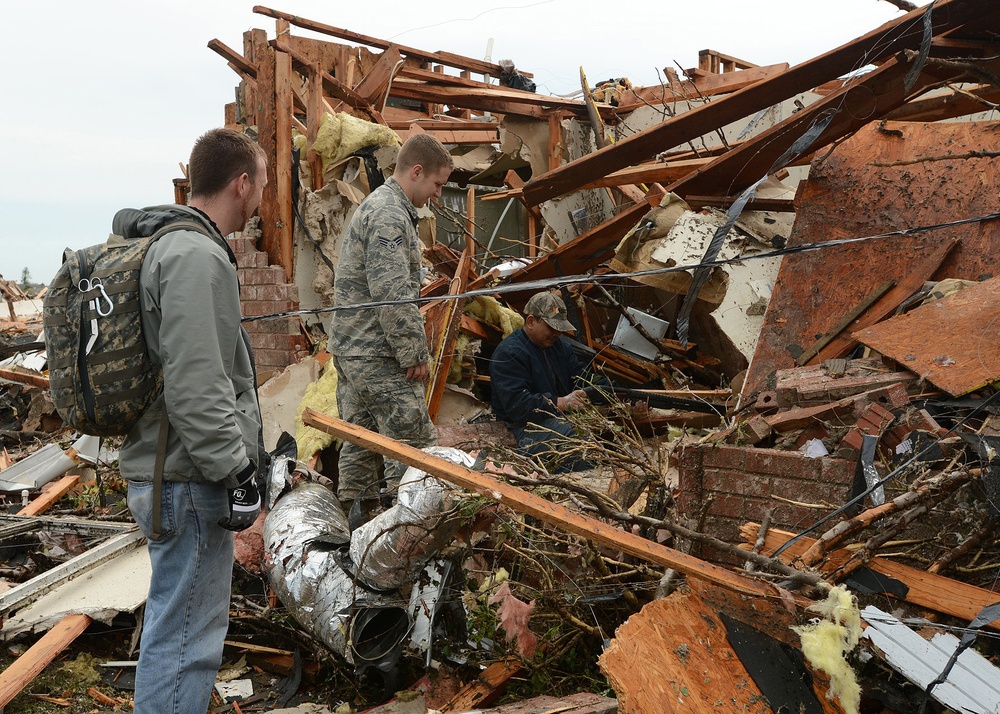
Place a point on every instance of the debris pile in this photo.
(790, 267)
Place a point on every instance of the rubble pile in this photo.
(792, 267)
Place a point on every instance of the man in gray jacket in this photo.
(208, 411)
(381, 352)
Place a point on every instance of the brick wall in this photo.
(277, 342)
(743, 482)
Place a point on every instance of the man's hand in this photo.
(244, 501)
(419, 372)
(576, 399)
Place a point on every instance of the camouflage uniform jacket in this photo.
(380, 260)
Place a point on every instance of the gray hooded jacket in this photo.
(190, 301)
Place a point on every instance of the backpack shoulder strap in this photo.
(195, 226)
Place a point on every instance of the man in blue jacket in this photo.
(536, 378)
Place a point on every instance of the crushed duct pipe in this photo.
(345, 588)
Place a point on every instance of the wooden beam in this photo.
(29, 665)
(656, 172)
(283, 110)
(242, 64)
(450, 317)
(265, 114)
(376, 81)
(934, 592)
(50, 496)
(901, 33)
(503, 100)
(331, 85)
(533, 505)
(34, 380)
(948, 106)
(575, 257)
(855, 104)
(447, 58)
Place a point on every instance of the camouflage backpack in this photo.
(100, 375)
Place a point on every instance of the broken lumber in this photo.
(963, 356)
(902, 33)
(484, 689)
(30, 664)
(445, 58)
(33, 380)
(812, 385)
(50, 496)
(536, 506)
(928, 590)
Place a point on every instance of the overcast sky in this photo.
(103, 99)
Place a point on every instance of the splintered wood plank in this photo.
(902, 32)
(536, 506)
(934, 592)
(50, 496)
(29, 665)
(35, 380)
(951, 342)
(575, 257)
(885, 178)
(452, 60)
(447, 336)
(484, 689)
(673, 657)
(858, 102)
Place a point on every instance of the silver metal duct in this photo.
(345, 588)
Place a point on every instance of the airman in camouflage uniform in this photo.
(381, 353)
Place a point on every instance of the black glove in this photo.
(244, 501)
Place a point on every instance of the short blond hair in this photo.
(424, 150)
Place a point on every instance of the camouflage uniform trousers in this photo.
(374, 393)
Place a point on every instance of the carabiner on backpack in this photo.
(88, 284)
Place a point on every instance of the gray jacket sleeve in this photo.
(199, 335)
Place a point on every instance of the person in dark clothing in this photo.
(536, 378)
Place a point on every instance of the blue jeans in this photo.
(547, 443)
(187, 611)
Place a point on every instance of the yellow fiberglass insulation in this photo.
(493, 313)
(826, 642)
(340, 135)
(461, 345)
(321, 395)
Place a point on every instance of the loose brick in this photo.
(874, 419)
(853, 439)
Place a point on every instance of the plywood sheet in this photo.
(951, 342)
(673, 656)
(886, 178)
